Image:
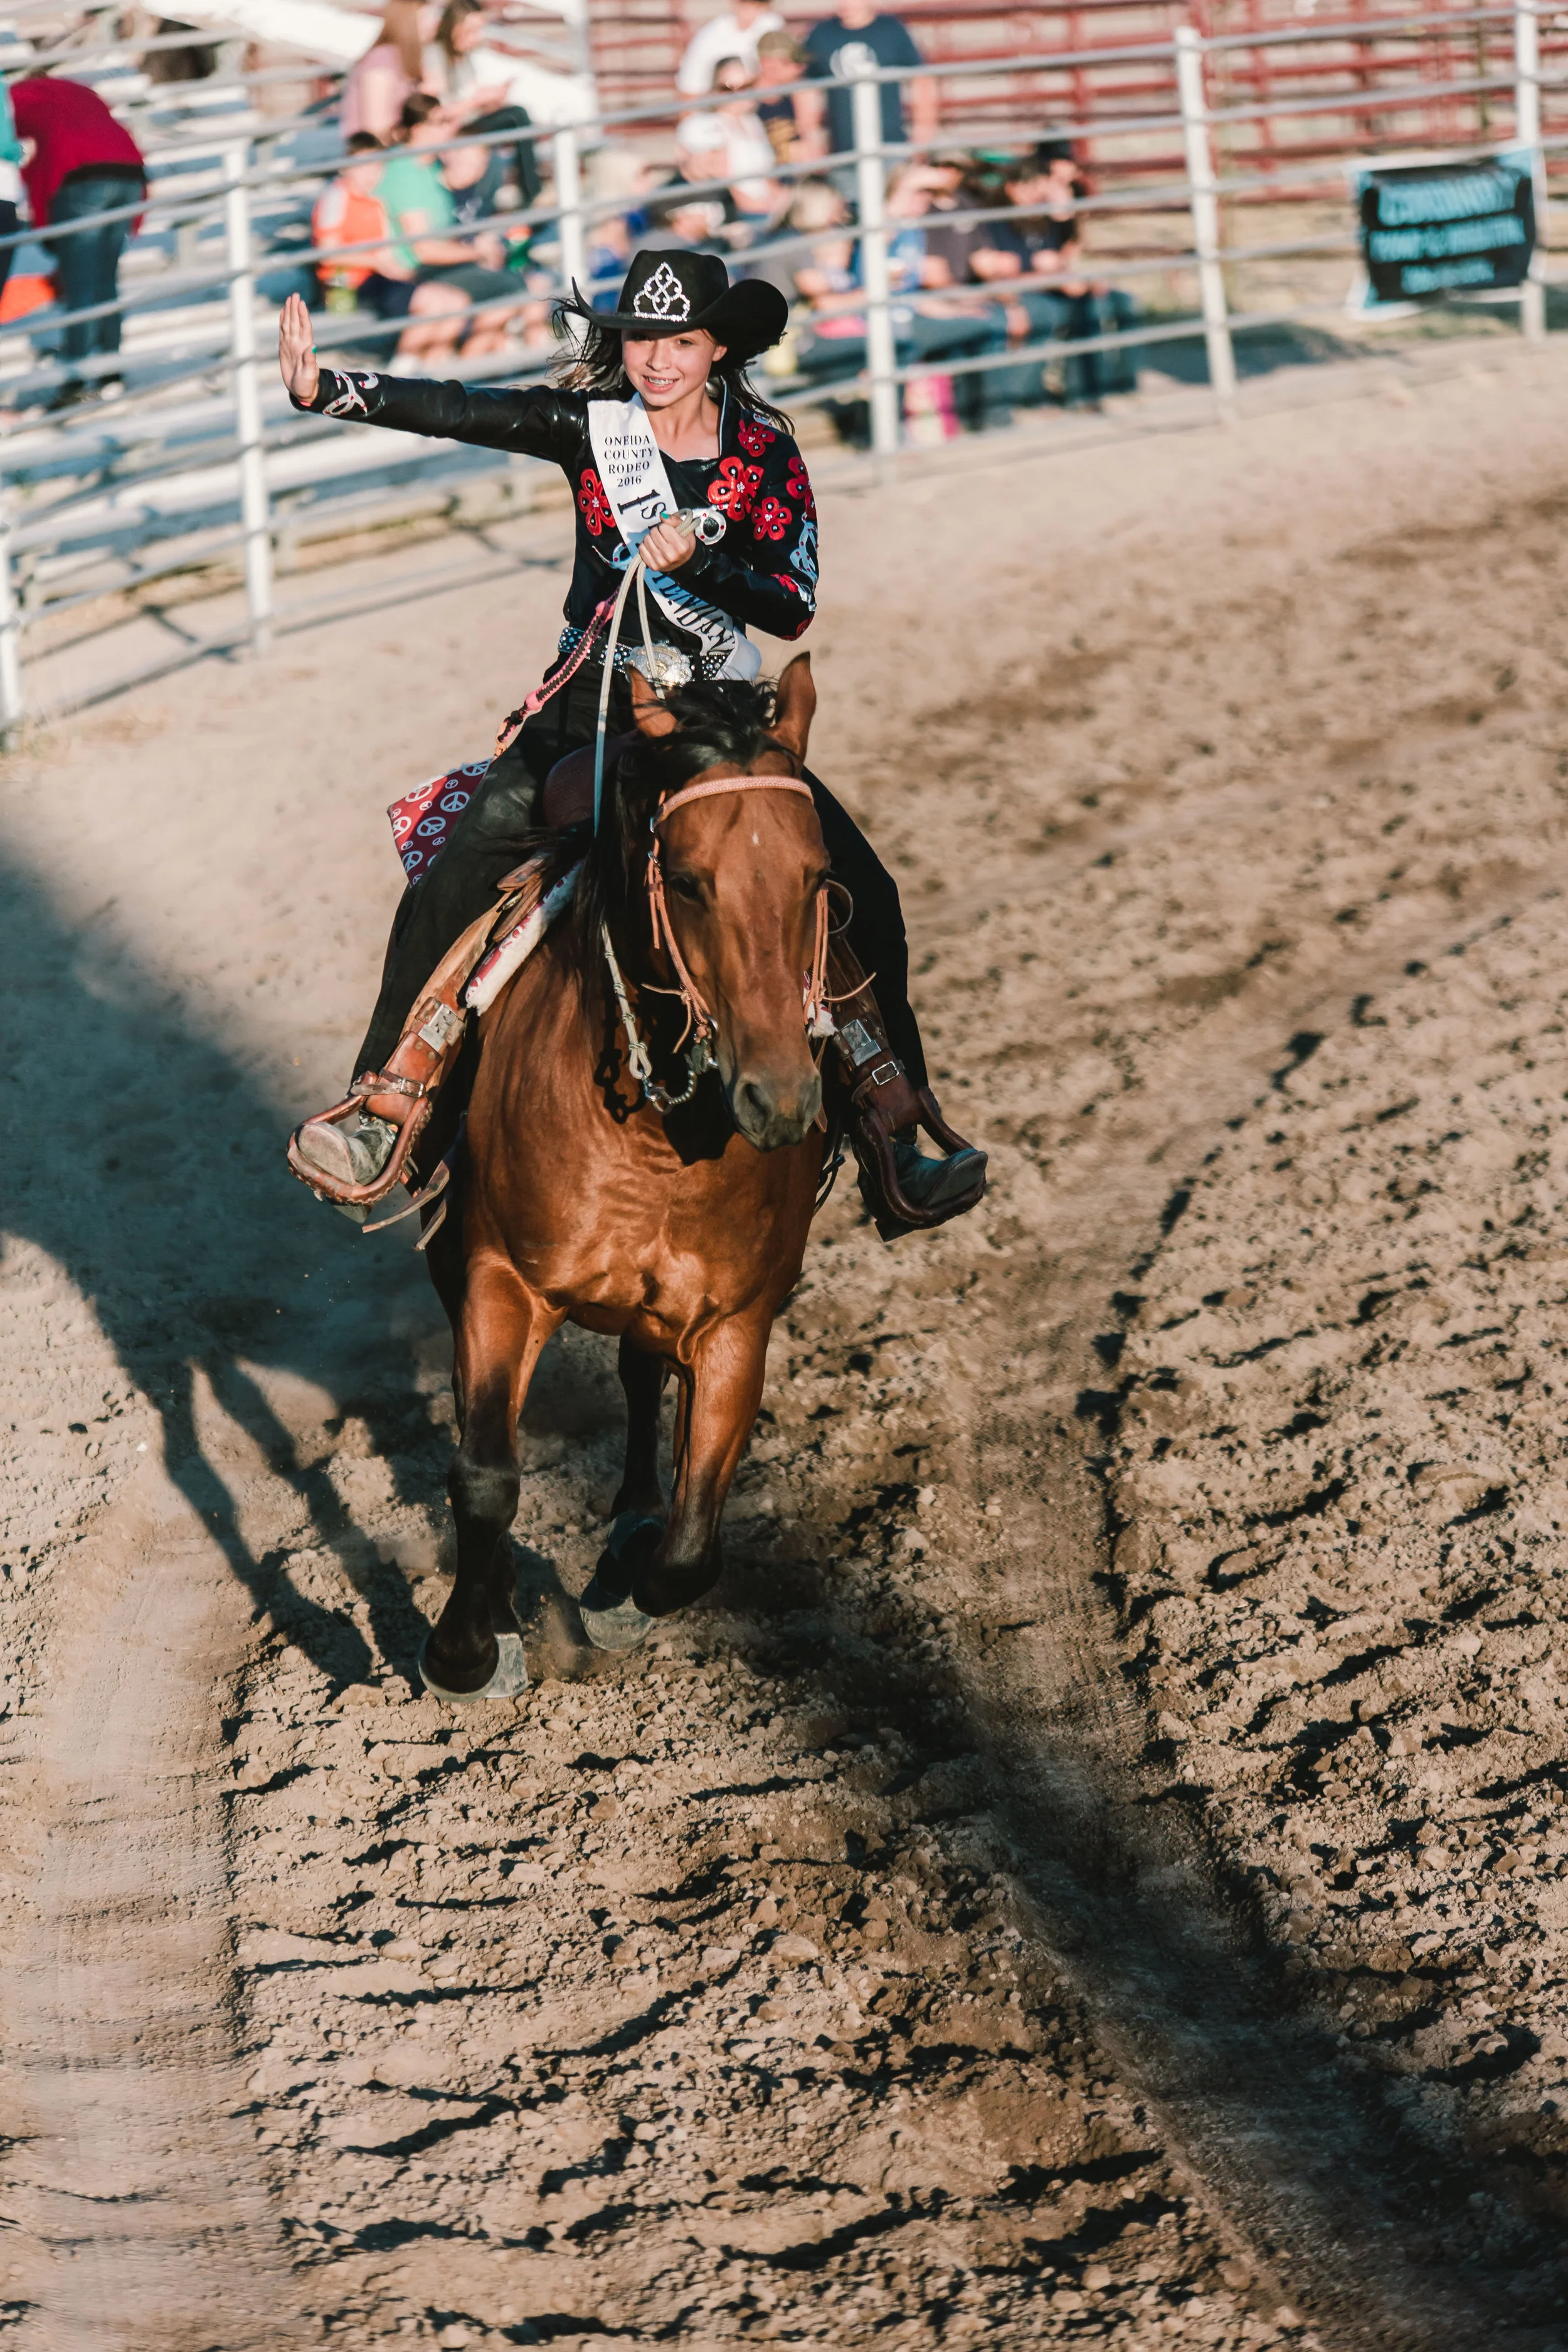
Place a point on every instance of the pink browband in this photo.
(728, 784)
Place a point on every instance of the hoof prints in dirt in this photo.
(688, 1998)
(1337, 1471)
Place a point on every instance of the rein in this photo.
(700, 1028)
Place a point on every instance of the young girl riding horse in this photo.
(658, 431)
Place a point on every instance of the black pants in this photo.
(488, 841)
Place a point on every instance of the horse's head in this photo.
(741, 876)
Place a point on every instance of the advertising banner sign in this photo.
(1446, 228)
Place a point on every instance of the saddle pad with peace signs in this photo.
(422, 820)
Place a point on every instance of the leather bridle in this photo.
(701, 1029)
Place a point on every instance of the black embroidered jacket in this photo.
(762, 573)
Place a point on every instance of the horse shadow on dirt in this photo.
(146, 1161)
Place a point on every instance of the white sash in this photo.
(632, 470)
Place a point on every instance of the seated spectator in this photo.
(805, 207)
(1033, 262)
(833, 46)
(832, 341)
(826, 276)
(432, 275)
(476, 177)
(389, 72)
(474, 83)
(955, 187)
(735, 32)
(728, 143)
(910, 265)
(781, 63)
(348, 212)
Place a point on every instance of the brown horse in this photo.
(681, 1230)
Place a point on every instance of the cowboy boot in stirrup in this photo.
(903, 1189)
(354, 1154)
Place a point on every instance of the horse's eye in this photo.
(686, 885)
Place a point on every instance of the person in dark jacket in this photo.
(85, 166)
(665, 375)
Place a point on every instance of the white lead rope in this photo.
(707, 526)
(699, 1054)
(635, 570)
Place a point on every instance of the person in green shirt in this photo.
(419, 207)
(430, 274)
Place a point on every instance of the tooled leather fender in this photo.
(404, 1092)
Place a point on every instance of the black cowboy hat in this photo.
(667, 293)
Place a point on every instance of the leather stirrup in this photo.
(404, 1092)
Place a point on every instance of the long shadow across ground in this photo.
(146, 1161)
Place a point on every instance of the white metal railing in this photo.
(246, 455)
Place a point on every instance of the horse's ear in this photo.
(797, 706)
(652, 716)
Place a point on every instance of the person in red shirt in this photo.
(84, 166)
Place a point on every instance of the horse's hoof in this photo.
(663, 1592)
(509, 1679)
(610, 1617)
(633, 1539)
(621, 1625)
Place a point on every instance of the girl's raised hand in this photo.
(296, 350)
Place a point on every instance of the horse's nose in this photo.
(770, 1115)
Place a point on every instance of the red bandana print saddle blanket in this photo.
(422, 820)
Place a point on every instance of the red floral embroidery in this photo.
(782, 580)
(754, 437)
(797, 485)
(771, 521)
(735, 488)
(597, 512)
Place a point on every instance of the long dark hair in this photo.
(596, 366)
(452, 16)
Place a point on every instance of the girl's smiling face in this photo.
(667, 368)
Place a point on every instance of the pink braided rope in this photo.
(533, 703)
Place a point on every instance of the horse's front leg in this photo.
(642, 1380)
(723, 1389)
(636, 1524)
(502, 1330)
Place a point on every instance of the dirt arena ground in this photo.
(1098, 1871)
